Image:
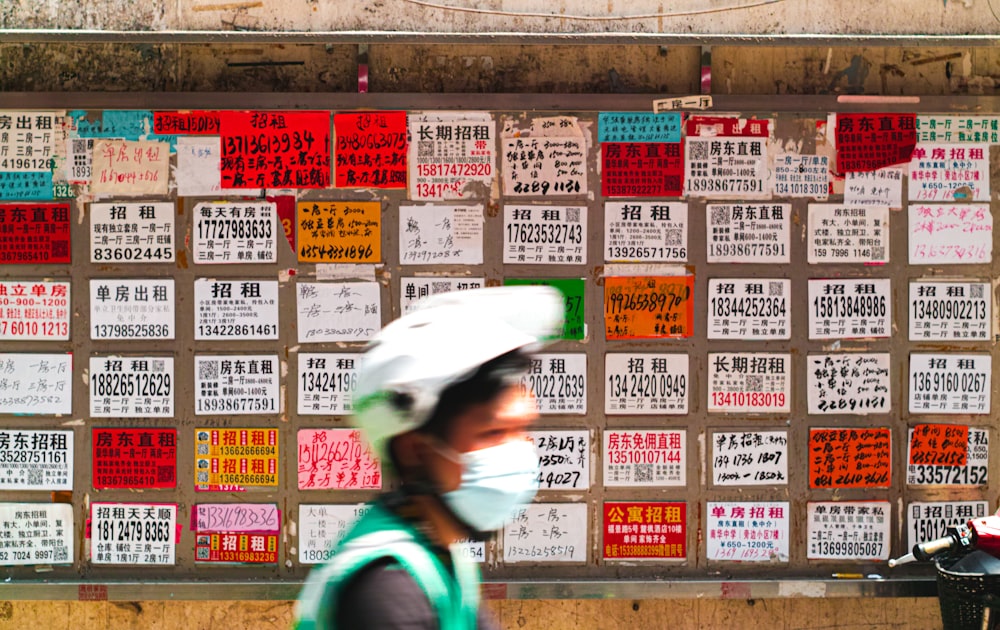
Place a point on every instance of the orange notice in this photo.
(939, 445)
(849, 458)
(648, 307)
(340, 231)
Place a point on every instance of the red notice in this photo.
(186, 123)
(642, 169)
(725, 126)
(645, 529)
(275, 149)
(371, 149)
(867, 142)
(134, 458)
(34, 233)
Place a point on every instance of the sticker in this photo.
(634, 458)
(848, 530)
(36, 384)
(648, 307)
(240, 384)
(645, 530)
(950, 311)
(132, 309)
(947, 455)
(850, 309)
(338, 311)
(747, 531)
(45, 533)
(950, 383)
(36, 460)
(327, 383)
(549, 163)
(646, 384)
(846, 234)
(339, 231)
(749, 308)
(642, 169)
(545, 235)
(132, 232)
(645, 231)
(950, 234)
(34, 233)
(440, 235)
(321, 527)
(848, 383)
(235, 309)
(930, 520)
(371, 149)
(750, 458)
(229, 232)
(978, 129)
(726, 158)
(236, 459)
(748, 233)
(412, 290)
(22, 187)
(130, 167)
(133, 533)
(573, 291)
(34, 310)
(452, 156)
(286, 149)
(244, 533)
(131, 387)
(798, 176)
(870, 141)
(563, 458)
(134, 458)
(28, 140)
(336, 459)
(749, 382)
(850, 458)
(881, 187)
(546, 532)
(946, 172)
(558, 383)
(638, 127)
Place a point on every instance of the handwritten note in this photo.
(564, 458)
(287, 149)
(36, 384)
(127, 167)
(547, 532)
(440, 235)
(340, 231)
(850, 458)
(371, 149)
(939, 445)
(750, 458)
(336, 459)
(199, 169)
(338, 311)
(848, 383)
(647, 307)
(946, 234)
(187, 122)
(881, 187)
(547, 161)
(24, 186)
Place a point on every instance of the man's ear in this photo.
(409, 450)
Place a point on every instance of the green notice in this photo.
(572, 290)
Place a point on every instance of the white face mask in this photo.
(495, 480)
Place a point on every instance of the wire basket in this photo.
(964, 596)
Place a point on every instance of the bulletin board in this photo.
(777, 357)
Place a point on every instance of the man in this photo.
(439, 398)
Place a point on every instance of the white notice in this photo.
(412, 290)
(942, 234)
(131, 387)
(132, 232)
(235, 309)
(748, 233)
(564, 459)
(950, 172)
(749, 382)
(848, 383)
(322, 526)
(199, 172)
(34, 310)
(645, 384)
(749, 308)
(236, 385)
(227, 232)
(950, 383)
(545, 235)
(726, 167)
(326, 383)
(133, 533)
(850, 309)
(28, 140)
(36, 384)
(747, 531)
(134, 310)
(846, 234)
(750, 458)
(552, 163)
(645, 458)
(881, 187)
(950, 311)
(440, 235)
(848, 530)
(645, 231)
(36, 460)
(46, 529)
(450, 154)
(338, 311)
(925, 468)
(558, 383)
(547, 532)
(931, 520)
(802, 176)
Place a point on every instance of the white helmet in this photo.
(445, 340)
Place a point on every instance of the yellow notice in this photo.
(340, 231)
(235, 459)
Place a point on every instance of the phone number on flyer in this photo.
(554, 385)
(128, 331)
(949, 382)
(542, 233)
(836, 306)
(131, 384)
(748, 399)
(236, 404)
(949, 309)
(237, 330)
(32, 457)
(748, 307)
(746, 250)
(946, 475)
(848, 549)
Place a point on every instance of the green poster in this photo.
(572, 290)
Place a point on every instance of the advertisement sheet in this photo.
(133, 533)
(36, 460)
(750, 458)
(550, 160)
(573, 291)
(848, 234)
(850, 458)
(28, 140)
(881, 187)
(545, 235)
(850, 309)
(132, 309)
(930, 520)
(848, 530)
(235, 309)
(370, 150)
(134, 458)
(244, 533)
(748, 233)
(749, 308)
(635, 458)
(414, 289)
(564, 459)
(950, 383)
(36, 384)
(34, 310)
(322, 526)
(950, 311)
(749, 382)
(286, 149)
(950, 172)
(336, 459)
(645, 530)
(130, 167)
(966, 129)
(240, 384)
(558, 383)
(338, 311)
(339, 231)
(235, 232)
(798, 176)
(947, 455)
(645, 231)
(726, 158)
(869, 141)
(326, 383)
(132, 232)
(546, 532)
(440, 235)
(645, 384)
(44, 533)
(747, 531)
(34, 233)
(648, 307)
(235, 459)
(131, 387)
(940, 234)
(452, 154)
(848, 383)
(642, 169)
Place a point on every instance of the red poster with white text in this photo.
(34, 233)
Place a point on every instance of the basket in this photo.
(963, 596)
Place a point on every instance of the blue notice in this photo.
(638, 127)
(130, 124)
(26, 186)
